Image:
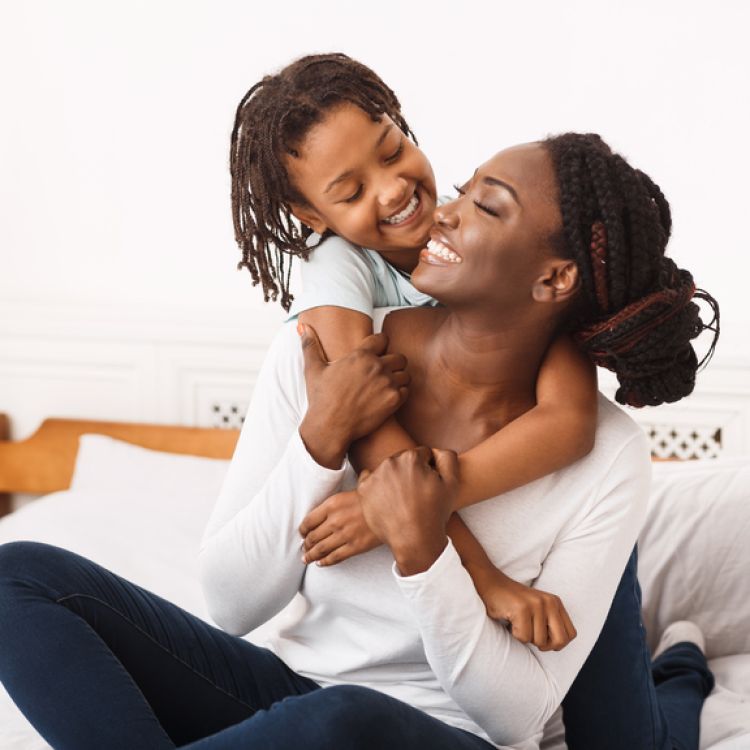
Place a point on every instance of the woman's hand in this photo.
(534, 616)
(349, 397)
(406, 502)
(336, 530)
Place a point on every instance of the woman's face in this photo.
(490, 244)
(367, 182)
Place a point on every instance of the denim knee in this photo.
(29, 566)
(340, 716)
(21, 561)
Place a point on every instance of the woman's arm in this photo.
(250, 564)
(508, 688)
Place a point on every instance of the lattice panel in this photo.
(228, 415)
(684, 441)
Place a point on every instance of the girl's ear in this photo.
(309, 217)
(559, 282)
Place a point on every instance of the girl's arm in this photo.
(559, 430)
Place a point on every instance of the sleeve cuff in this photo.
(310, 466)
(447, 561)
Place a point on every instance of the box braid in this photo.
(271, 122)
(635, 315)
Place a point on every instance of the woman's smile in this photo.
(438, 253)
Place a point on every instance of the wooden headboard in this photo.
(44, 462)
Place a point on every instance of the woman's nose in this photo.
(446, 215)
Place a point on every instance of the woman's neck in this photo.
(495, 365)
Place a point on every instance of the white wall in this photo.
(114, 187)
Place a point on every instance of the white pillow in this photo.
(694, 552)
(183, 484)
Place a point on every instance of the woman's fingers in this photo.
(394, 362)
(400, 379)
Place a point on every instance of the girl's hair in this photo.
(271, 122)
(635, 314)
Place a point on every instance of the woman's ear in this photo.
(559, 282)
(309, 217)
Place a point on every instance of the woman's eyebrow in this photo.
(500, 183)
(348, 173)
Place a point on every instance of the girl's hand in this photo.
(534, 616)
(349, 397)
(336, 530)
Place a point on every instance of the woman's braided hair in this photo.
(271, 122)
(635, 315)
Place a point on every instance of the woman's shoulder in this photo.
(619, 438)
(408, 328)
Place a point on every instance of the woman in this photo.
(443, 673)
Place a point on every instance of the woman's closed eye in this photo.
(481, 206)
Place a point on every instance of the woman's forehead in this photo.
(529, 169)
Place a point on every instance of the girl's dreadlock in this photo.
(635, 315)
(271, 121)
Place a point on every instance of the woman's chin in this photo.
(428, 279)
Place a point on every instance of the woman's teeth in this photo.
(406, 213)
(441, 251)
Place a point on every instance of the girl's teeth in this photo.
(441, 251)
(406, 213)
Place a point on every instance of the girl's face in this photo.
(492, 244)
(366, 182)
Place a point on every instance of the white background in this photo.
(114, 184)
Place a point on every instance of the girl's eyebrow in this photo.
(348, 173)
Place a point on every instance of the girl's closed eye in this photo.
(354, 196)
(394, 156)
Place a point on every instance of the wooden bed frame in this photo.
(44, 462)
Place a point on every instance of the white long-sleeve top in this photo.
(424, 639)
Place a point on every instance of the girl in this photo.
(293, 155)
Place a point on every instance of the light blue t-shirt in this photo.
(341, 274)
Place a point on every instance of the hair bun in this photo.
(648, 343)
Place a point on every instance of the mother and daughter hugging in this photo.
(465, 590)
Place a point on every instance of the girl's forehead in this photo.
(345, 127)
(338, 145)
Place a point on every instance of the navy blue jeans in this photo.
(95, 661)
(621, 700)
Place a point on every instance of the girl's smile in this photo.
(364, 180)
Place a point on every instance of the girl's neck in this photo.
(405, 260)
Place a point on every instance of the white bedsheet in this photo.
(139, 536)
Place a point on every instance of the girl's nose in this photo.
(393, 194)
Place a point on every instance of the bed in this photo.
(135, 498)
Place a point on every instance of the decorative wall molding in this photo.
(198, 367)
